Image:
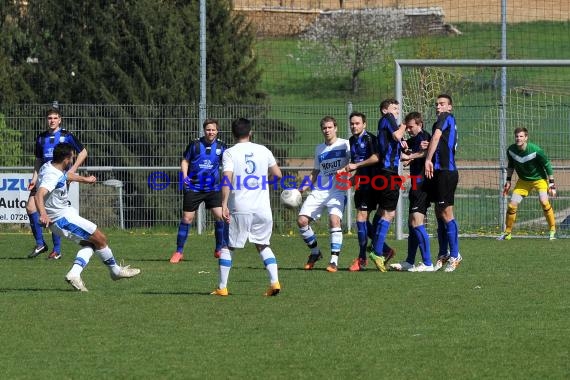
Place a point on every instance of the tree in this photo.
(353, 40)
(130, 51)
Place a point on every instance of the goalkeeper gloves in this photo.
(552, 189)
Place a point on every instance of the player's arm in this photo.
(314, 177)
(399, 133)
(229, 175)
(72, 177)
(275, 171)
(184, 166)
(549, 172)
(507, 186)
(81, 157)
(37, 166)
(372, 160)
(40, 205)
(432, 147)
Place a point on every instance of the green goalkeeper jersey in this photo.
(530, 164)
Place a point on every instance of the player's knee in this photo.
(512, 209)
(302, 221)
(545, 204)
(31, 206)
(98, 239)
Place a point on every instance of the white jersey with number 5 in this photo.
(249, 163)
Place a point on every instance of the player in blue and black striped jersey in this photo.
(440, 165)
(43, 151)
(418, 195)
(363, 145)
(201, 170)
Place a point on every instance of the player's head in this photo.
(414, 123)
(62, 152)
(241, 128)
(53, 117)
(357, 122)
(443, 103)
(521, 136)
(390, 106)
(328, 128)
(211, 129)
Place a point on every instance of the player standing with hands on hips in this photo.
(533, 168)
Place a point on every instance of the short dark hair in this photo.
(357, 114)
(386, 103)
(61, 152)
(446, 96)
(241, 128)
(416, 116)
(53, 111)
(210, 121)
(327, 119)
(521, 129)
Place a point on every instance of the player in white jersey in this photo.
(62, 219)
(327, 192)
(245, 203)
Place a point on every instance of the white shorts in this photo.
(316, 202)
(255, 227)
(73, 227)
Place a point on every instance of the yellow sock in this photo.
(549, 214)
(510, 219)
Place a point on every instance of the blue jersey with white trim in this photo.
(388, 148)
(205, 161)
(363, 147)
(444, 157)
(414, 144)
(47, 141)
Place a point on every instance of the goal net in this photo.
(488, 107)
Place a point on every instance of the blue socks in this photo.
(36, 228)
(183, 229)
(381, 232)
(362, 229)
(453, 238)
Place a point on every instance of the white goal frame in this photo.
(503, 63)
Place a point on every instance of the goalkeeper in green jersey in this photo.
(535, 172)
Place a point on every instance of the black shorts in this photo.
(388, 191)
(443, 187)
(192, 200)
(365, 200)
(419, 199)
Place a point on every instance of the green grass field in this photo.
(502, 315)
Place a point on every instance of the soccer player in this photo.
(440, 166)
(418, 196)
(200, 167)
(45, 144)
(330, 156)
(389, 137)
(363, 144)
(245, 204)
(533, 168)
(62, 219)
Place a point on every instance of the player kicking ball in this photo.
(53, 204)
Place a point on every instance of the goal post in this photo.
(431, 79)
